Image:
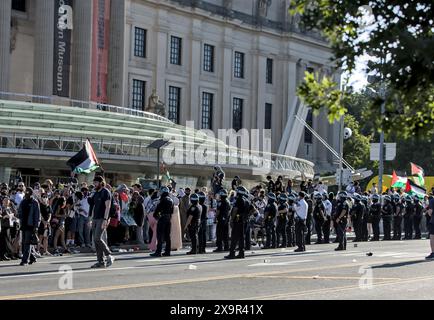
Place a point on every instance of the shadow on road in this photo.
(399, 264)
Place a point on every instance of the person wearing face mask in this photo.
(19, 196)
(44, 229)
(6, 219)
(341, 219)
(270, 213)
(193, 221)
(29, 213)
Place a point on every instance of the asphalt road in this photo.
(396, 270)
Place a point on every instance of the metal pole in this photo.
(341, 151)
(381, 167)
(158, 169)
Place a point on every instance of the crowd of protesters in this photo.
(48, 219)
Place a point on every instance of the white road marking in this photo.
(285, 263)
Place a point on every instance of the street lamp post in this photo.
(158, 144)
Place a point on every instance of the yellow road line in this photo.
(184, 281)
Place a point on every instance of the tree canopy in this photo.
(396, 37)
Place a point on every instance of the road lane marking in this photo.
(285, 263)
(315, 277)
(186, 281)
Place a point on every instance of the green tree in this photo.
(397, 35)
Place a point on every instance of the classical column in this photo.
(161, 51)
(82, 50)
(226, 108)
(43, 54)
(116, 74)
(5, 43)
(5, 174)
(195, 65)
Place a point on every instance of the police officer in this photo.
(318, 216)
(386, 214)
(398, 209)
(328, 209)
(163, 212)
(309, 218)
(222, 217)
(417, 219)
(366, 219)
(301, 209)
(248, 226)
(203, 220)
(193, 222)
(270, 220)
(282, 220)
(238, 219)
(375, 212)
(408, 217)
(290, 225)
(356, 214)
(340, 220)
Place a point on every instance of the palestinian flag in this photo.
(398, 182)
(413, 189)
(85, 161)
(419, 172)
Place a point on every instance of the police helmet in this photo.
(375, 197)
(387, 198)
(283, 197)
(201, 195)
(317, 196)
(365, 199)
(271, 196)
(416, 198)
(194, 197)
(223, 193)
(396, 197)
(408, 198)
(343, 195)
(242, 191)
(164, 190)
(357, 197)
(217, 168)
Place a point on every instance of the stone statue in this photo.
(155, 105)
(263, 6)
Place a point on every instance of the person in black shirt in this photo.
(340, 220)
(163, 213)
(318, 216)
(387, 213)
(417, 219)
(203, 223)
(408, 217)
(270, 214)
(282, 220)
(239, 216)
(270, 185)
(278, 186)
(375, 212)
(44, 226)
(222, 217)
(356, 213)
(194, 213)
(398, 209)
(366, 218)
(290, 225)
(309, 218)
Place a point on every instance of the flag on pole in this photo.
(397, 181)
(85, 161)
(413, 189)
(419, 172)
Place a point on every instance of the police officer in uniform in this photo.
(398, 209)
(328, 210)
(309, 217)
(375, 212)
(340, 220)
(163, 212)
(301, 209)
(408, 217)
(290, 225)
(387, 213)
(222, 217)
(203, 220)
(417, 219)
(356, 214)
(282, 220)
(239, 215)
(193, 221)
(366, 219)
(318, 216)
(270, 219)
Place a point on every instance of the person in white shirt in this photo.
(300, 208)
(350, 188)
(320, 187)
(19, 196)
(374, 189)
(328, 215)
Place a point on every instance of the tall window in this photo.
(139, 94)
(237, 114)
(140, 42)
(268, 109)
(174, 104)
(208, 58)
(239, 65)
(207, 106)
(307, 134)
(269, 75)
(19, 5)
(175, 50)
